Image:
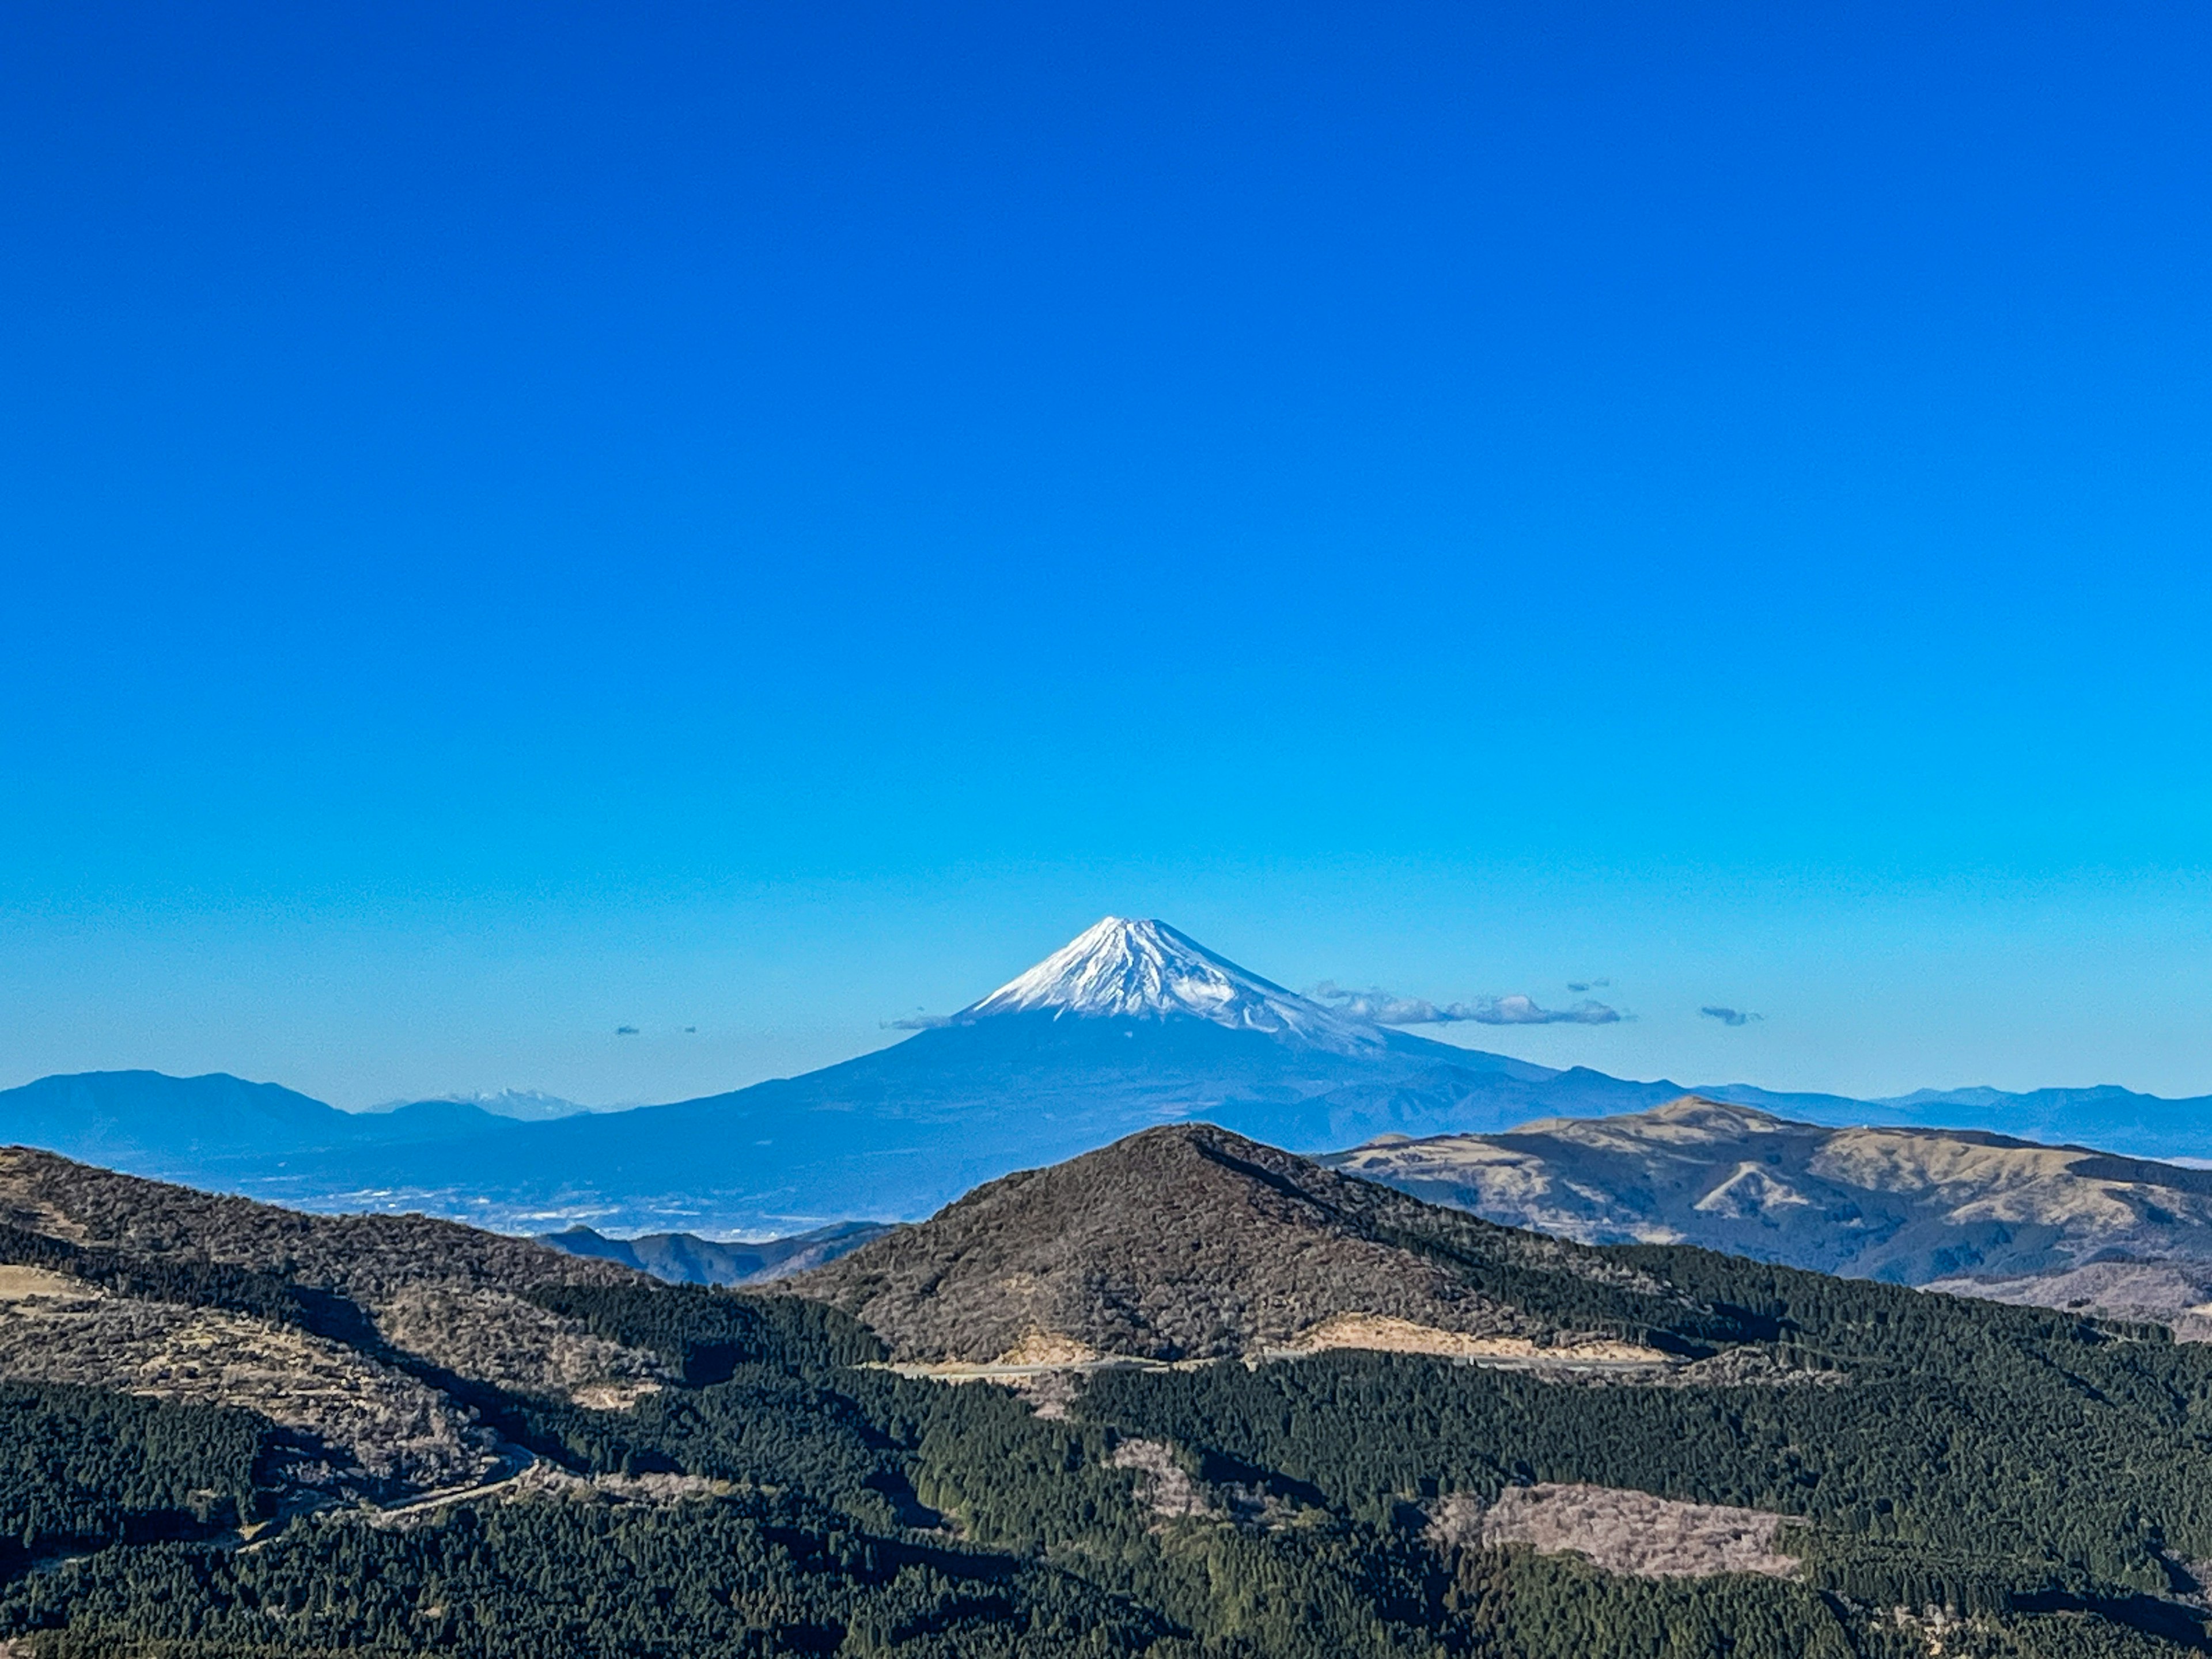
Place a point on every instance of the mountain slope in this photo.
(366, 1258)
(2116, 1119)
(343, 1330)
(1909, 1205)
(1191, 1243)
(248, 1474)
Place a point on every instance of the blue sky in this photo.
(520, 521)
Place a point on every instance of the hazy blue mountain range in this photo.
(531, 1105)
(688, 1259)
(143, 1121)
(1131, 1025)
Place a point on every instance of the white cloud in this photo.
(1386, 1009)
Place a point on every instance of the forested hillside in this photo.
(1189, 1243)
(1848, 1469)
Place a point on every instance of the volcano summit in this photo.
(1121, 969)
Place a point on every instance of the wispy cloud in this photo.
(1386, 1009)
(1580, 986)
(1728, 1016)
(625, 1030)
(916, 1023)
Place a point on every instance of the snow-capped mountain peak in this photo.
(1149, 970)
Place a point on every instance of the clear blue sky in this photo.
(522, 520)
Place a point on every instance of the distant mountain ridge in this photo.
(1130, 1025)
(687, 1259)
(150, 1123)
(1906, 1204)
(528, 1105)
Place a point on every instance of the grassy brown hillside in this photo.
(1909, 1206)
(1189, 1243)
(338, 1329)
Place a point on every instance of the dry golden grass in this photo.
(1618, 1530)
(1049, 1348)
(1377, 1334)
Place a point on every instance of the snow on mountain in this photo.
(1128, 970)
(524, 1105)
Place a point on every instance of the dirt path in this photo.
(515, 1462)
(1563, 1362)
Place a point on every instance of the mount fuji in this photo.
(1147, 970)
(1131, 1025)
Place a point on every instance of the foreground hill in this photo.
(1909, 1205)
(1195, 1243)
(1798, 1466)
(358, 1335)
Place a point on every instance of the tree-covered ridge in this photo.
(1190, 1242)
(2016, 1481)
(80, 1468)
(362, 1258)
(191, 1280)
(859, 1511)
(735, 1578)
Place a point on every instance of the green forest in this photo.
(2003, 1481)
